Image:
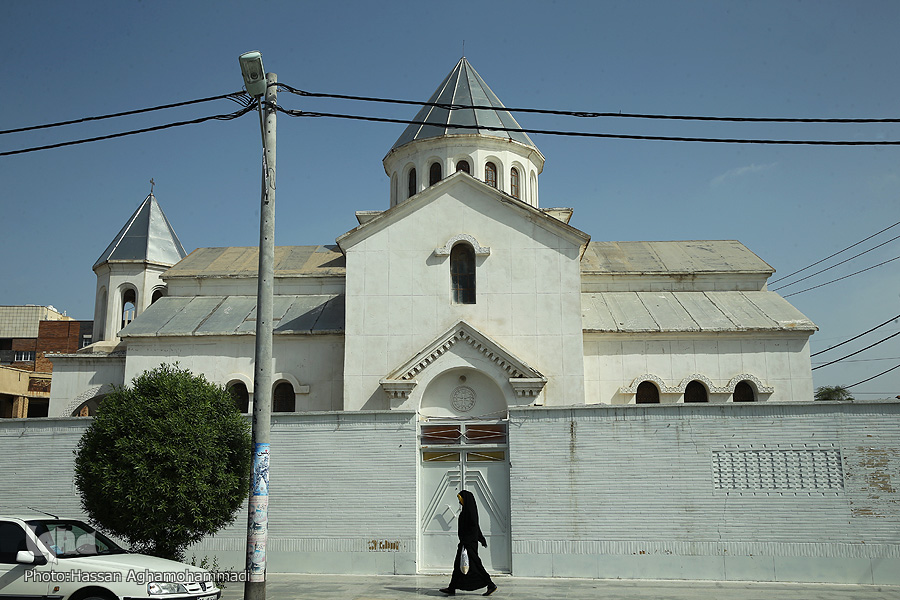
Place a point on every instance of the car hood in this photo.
(128, 562)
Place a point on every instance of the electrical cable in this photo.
(872, 377)
(840, 278)
(858, 351)
(225, 117)
(239, 97)
(869, 359)
(855, 337)
(781, 287)
(835, 254)
(658, 138)
(585, 114)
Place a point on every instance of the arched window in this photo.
(514, 183)
(532, 189)
(283, 398)
(157, 294)
(647, 393)
(463, 166)
(462, 273)
(434, 173)
(241, 397)
(695, 392)
(129, 302)
(490, 174)
(411, 184)
(100, 319)
(743, 392)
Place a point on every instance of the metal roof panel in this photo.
(463, 86)
(673, 312)
(227, 316)
(667, 311)
(191, 316)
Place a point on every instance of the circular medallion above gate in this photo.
(462, 392)
(463, 398)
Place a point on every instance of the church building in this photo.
(608, 403)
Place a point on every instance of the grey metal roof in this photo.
(146, 236)
(636, 312)
(236, 315)
(704, 256)
(238, 262)
(466, 87)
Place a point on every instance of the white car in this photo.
(64, 559)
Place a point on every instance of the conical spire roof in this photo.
(463, 86)
(147, 236)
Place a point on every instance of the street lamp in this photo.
(253, 72)
(260, 84)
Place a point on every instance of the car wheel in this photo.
(93, 596)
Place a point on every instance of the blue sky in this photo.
(792, 205)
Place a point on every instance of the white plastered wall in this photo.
(778, 360)
(399, 299)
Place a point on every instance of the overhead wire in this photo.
(868, 359)
(873, 377)
(842, 278)
(781, 287)
(243, 99)
(222, 117)
(586, 114)
(855, 337)
(239, 97)
(835, 254)
(893, 335)
(620, 136)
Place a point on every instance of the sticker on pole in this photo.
(260, 470)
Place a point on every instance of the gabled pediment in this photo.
(464, 184)
(524, 379)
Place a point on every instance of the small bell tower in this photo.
(128, 272)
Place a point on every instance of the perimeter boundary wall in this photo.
(800, 492)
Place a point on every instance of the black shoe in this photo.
(449, 591)
(490, 591)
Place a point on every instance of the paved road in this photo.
(358, 587)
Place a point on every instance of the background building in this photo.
(27, 335)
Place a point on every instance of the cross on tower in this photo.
(152, 183)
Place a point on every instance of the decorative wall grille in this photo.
(782, 470)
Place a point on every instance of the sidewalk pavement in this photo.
(282, 586)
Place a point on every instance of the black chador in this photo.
(469, 537)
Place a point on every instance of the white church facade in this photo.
(619, 409)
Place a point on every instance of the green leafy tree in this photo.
(165, 462)
(833, 392)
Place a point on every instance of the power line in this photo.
(872, 377)
(870, 359)
(841, 278)
(858, 351)
(657, 138)
(224, 117)
(584, 114)
(239, 97)
(835, 254)
(855, 337)
(836, 264)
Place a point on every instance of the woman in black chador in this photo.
(469, 537)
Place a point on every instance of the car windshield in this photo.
(69, 539)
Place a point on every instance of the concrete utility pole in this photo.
(258, 518)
